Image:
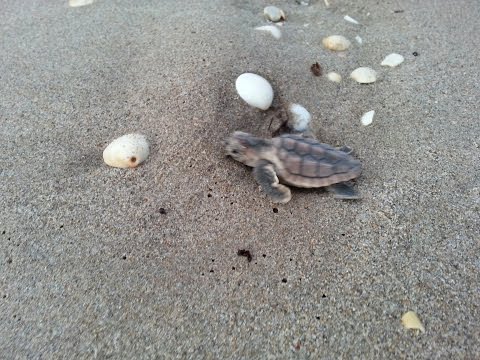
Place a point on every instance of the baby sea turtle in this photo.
(296, 160)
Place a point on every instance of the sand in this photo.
(98, 262)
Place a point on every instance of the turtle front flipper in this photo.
(343, 191)
(264, 173)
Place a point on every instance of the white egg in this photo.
(273, 30)
(392, 60)
(300, 117)
(335, 77)
(273, 13)
(364, 75)
(367, 118)
(254, 90)
(336, 43)
(127, 151)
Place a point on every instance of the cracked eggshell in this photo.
(127, 151)
(254, 90)
(273, 13)
(410, 320)
(273, 30)
(336, 43)
(300, 117)
(364, 75)
(392, 60)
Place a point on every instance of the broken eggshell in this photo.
(364, 75)
(273, 13)
(254, 90)
(410, 320)
(300, 117)
(367, 118)
(127, 151)
(336, 43)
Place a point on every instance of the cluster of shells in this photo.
(257, 92)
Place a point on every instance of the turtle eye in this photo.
(234, 151)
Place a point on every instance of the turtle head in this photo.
(245, 147)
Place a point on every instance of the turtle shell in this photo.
(304, 162)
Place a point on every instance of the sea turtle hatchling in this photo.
(298, 161)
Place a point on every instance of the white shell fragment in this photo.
(364, 75)
(335, 77)
(359, 40)
(392, 60)
(78, 3)
(349, 19)
(273, 13)
(300, 117)
(273, 30)
(336, 43)
(127, 151)
(254, 90)
(410, 320)
(367, 118)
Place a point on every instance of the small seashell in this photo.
(127, 151)
(273, 13)
(392, 60)
(364, 75)
(300, 119)
(273, 30)
(359, 40)
(367, 118)
(254, 90)
(78, 3)
(410, 320)
(335, 77)
(336, 43)
(349, 19)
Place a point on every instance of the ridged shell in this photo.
(307, 163)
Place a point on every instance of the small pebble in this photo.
(359, 40)
(336, 43)
(335, 77)
(274, 14)
(364, 75)
(392, 60)
(273, 30)
(367, 118)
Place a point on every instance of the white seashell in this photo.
(410, 320)
(349, 19)
(336, 43)
(300, 119)
(273, 13)
(77, 3)
(273, 30)
(127, 151)
(254, 90)
(392, 60)
(359, 40)
(367, 118)
(364, 75)
(335, 77)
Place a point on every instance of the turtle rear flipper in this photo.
(343, 191)
(264, 173)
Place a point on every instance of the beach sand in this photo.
(99, 262)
